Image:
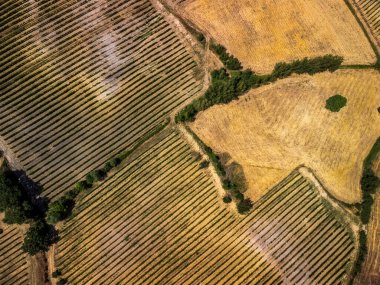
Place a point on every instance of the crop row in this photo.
(371, 12)
(13, 261)
(159, 220)
(74, 93)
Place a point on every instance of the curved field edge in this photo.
(186, 242)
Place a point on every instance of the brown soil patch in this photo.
(262, 33)
(273, 129)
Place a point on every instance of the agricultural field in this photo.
(370, 10)
(262, 33)
(160, 220)
(273, 129)
(14, 263)
(82, 80)
(370, 274)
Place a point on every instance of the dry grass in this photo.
(273, 129)
(262, 33)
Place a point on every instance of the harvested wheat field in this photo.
(272, 129)
(14, 263)
(262, 33)
(82, 80)
(160, 220)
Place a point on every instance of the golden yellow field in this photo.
(272, 129)
(262, 33)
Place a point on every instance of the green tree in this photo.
(37, 238)
(59, 210)
(335, 103)
(244, 206)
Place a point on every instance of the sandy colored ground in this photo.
(275, 128)
(262, 33)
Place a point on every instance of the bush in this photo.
(13, 201)
(204, 164)
(90, 178)
(59, 210)
(244, 206)
(335, 103)
(227, 199)
(229, 61)
(100, 174)
(56, 273)
(37, 238)
(81, 186)
(62, 281)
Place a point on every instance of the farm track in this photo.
(159, 220)
(80, 82)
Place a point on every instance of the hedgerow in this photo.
(227, 85)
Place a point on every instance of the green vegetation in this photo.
(369, 183)
(361, 255)
(229, 61)
(13, 200)
(335, 103)
(227, 199)
(60, 209)
(243, 205)
(227, 85)
(56, 273)
(37, 238)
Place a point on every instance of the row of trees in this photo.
(61, 209)
(227, 85)
(229, 61)
(232, 191)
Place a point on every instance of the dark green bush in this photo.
(204, 164)
(100, 174)
(90, 178)
(37, 238)
(81, 186)
(227, 199)
(59, 209)
(244, 206)
(335, 103)
(56, 273)
(229, 61)
(226, 87)
(13, 200)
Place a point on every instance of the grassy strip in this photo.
(369, 183)
(377, 64)
(243, 204)
(62, 208)
(229, 85)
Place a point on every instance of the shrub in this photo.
(244, 206)
(90, 178)
(56, 273)
(108, 167)
(62, 281)
(335, 103)
(100, 174)
(37, 238)
(15, 215)
(59, 210)
(227, 199)
(229, 61)
(204, 164)
(81, 186)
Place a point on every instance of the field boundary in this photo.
(368, 34)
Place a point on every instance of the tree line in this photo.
(228, 84)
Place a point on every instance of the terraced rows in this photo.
(159, 220)
(371, 12)
(82, 80)
(13, 261)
